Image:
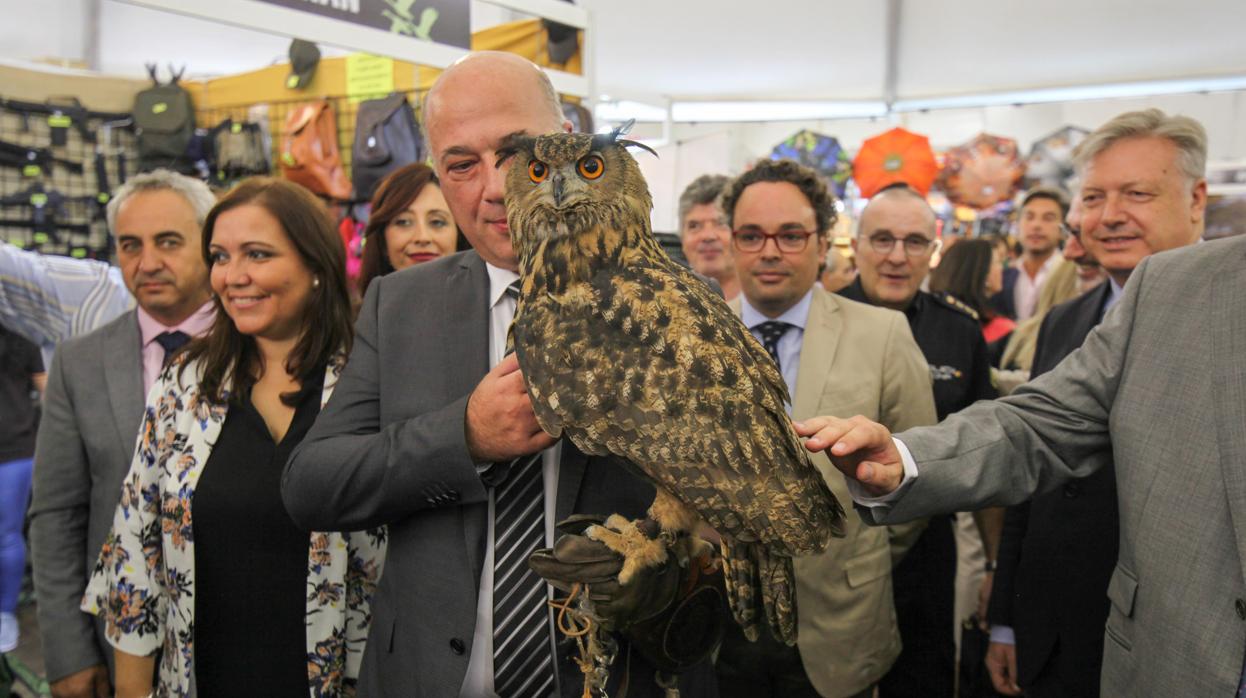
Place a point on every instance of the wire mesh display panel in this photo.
(274, 116)
(54, 166)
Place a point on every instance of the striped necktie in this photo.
(523, 661)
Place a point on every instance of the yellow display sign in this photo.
(368, 76)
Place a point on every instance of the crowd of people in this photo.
(312, 498)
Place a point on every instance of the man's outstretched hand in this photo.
(861, 449)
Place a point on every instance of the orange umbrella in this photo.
(982, 172)
(895, 156)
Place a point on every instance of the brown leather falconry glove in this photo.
(666, 598)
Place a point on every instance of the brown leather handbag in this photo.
(309, 151)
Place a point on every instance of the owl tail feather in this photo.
(752, 574)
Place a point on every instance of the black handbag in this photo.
(386, 138)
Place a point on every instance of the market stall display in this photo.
(823, 153)
(982, 172)
(895, 156)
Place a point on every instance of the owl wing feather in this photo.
(646, 363)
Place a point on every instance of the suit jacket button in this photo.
(1071, 490)
(1241, 608)
(457, 646)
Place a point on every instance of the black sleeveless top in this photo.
(251, 560)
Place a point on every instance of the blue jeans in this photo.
(14, 496)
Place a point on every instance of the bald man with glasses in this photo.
(894, 245)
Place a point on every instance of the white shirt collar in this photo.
(797, 315)
(499, 280)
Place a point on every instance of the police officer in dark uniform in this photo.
(893, 247)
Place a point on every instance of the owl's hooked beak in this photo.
(557, 181)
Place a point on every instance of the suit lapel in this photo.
(466, 324)
(817, 353)
(121, 350)
(1228, 379)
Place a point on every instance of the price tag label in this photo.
(32, 171)
(38, 200)
(60, 121)
(78, 253)
(41, 238)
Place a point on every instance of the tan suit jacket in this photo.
(855, 359)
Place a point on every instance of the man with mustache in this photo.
(704, 234)
(93, 406)
(894, 243)
(1049, 601)
(837, 357)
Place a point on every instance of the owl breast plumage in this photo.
(630, 355)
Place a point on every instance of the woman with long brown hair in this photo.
(410, 223)
(203, 560)
(972, 271)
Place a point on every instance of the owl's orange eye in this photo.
(591, 167)
(537, 171)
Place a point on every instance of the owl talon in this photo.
(624, 537)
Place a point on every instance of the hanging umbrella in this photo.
(822, 153)
(895, 156)
(1050, 163)
(982, 172)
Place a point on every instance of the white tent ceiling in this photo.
(652, 50)
(656, 51)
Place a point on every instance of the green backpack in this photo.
(164, 118)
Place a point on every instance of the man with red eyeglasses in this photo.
(844, 358)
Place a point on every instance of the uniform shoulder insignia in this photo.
(955, 303)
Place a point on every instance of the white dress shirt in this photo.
(790, 342)
(479, 679)
(1025, 290)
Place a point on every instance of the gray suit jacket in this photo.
(91, 415)
(1160, 388)
(389, 449)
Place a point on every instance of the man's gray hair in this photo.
(1184, 132)
(194, 191)
(706, 189)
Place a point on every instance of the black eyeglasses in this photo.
(914, 245)
(785, 240)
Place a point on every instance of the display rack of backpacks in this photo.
(58, 163)
(309, 151)
(386, 138)
(241, 151)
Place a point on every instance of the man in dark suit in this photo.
(93, 407)
(894, 243)
(423, 436)
(1049, 600)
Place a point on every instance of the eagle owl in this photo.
(630, 355)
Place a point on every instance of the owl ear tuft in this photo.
(637, 144)
(603, 140)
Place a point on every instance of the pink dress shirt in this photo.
(149, 327)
